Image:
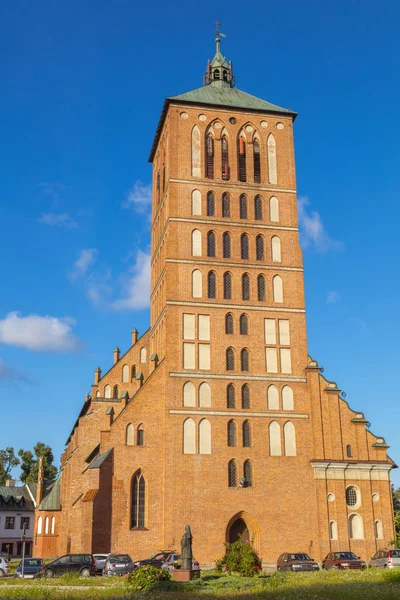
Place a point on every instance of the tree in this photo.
(396, 508)
(30, 463)
(396, 499)
(8, 461)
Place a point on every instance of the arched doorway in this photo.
(237, 530)
(245, 525)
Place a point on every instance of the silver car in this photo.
(100, 562)
(118, 564)
(386, 558)
(4, 567)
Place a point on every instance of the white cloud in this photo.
(136, 285)
(139, 197)
(38, 333)
(58, 219)
(332, 297)
(312, 231)
(86, 258)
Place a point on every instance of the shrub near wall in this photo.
(240, 558)
(146, 577)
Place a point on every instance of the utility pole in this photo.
(23, 548)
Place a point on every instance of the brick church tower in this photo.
(216, 416)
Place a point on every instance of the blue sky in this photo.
(82, 87)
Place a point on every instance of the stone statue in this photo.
(186, 549)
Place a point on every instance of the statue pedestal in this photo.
(185, 574)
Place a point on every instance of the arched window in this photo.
(277, 288)
(204, 437)
(107, 391)
(129, 435)
(276, 249)
(140, 436)
(196, 242)
(242, 158)
(224, 158)
(46, 525)
(115, 391)
(232, 474)
(333, 530)
(227, 286)
(356, 527)
(275, 447)
(211, 244)
(378, 530)
(232, 433)
(196, 160)
(271, 151)
(243, 206)
(244, 359)
(229, 323)
(246, 431)
(245, 396)
(248, 473)
(274, 209)
(98, 394)
(138, 500)
(39, 525)
(261, 288)
(189, 437)
(272, 398)
(230, 359)
(133, 372)
(210, 204)
(244, 246)
(125, 374)
(189, 394)
(230, 396)
(352, 496)
(143, 355)
(289, 436)
(348, 451)
(245, 287)
(244, 325)
(217, 74)
(53, 525)
(204, 395)
(226, 205)
(196, 202)
(158, 187)
(287, 398)
(259, 247)
(257, 163)
(212, 285)
(258, 208)
(197, 284)
(210, 157)
(226, 245)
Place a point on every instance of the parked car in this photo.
(343, 560)
(386, 558)
(296, 562)
(168, 564)
(100, 560)
(118, 564)
(4, 567)
(33, 567)
(156, 560)
(6, 556)
(84, 564)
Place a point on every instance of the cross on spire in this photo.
(218, 24)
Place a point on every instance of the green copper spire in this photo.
(219, 71)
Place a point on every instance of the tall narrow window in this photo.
(257, 163)
(210, 157)
(225, 159)
(245, 287)
(245, 396)
(226, 205)
(244, 359)
(242, 158)
(212, 285)
(244, 328)
(348, 451)
(158, 187)
(248, 473)
(227, 286)
(196, 202)
(232, 474)
(211, 244)
(289, 436)
(232, 433)
(261, 288)
(230, 360)
(243, 206)
(204, 437)
(129, 437)
(140, 436)
(189, 394)
(275, 447)
(107, 391)
(276, 249)
(230, 396)
(196, 160)
(333, 535)
(271, 151)
(378, 530)
(138, 500)
(244, 246)
(277, 288)
(196, 242)
(197, 284)
(189, 437)
(226, 245)
(246, 434)
(125, 374)
(229, 323)
(260, 247)
(210, 204)
(258, 208)
(115, 391)
(272, 398)
(287, 398)
(274, 209)
(356, 527)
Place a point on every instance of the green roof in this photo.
(100, 458)
(52, 497)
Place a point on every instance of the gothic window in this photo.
(227, 286)
(226, 245)
(243, 325)
(275, 447)
(243, 206)
(356, 527)
(196, 202)
(140, 436)
(133, 372)
(242, 158)
(232, 433)
(232, 474)
(333, 535)
(230, 396)
(378, 530)
(277, 288)
(210, 157)
(348, 451)
(244, 359)
(258, 208)
(46, 525)
(115, 391)
(257, 163)
(289, 436)
(287, 398)
(125, 374)
(211, 244)
(196, 242)
(197, 284)
(271, 151)
(210, 204)
(196, 161)
(143, 355)
(226, 205)
(352, 496)
(246, 434)
(229, 323)
(261, 288)
(129, 435)
(158, 186)
(245, 396)
(204, 395)
(189, 437)
(212, 285)
(260, 247)
(107, 391)
(39, 525)
(248, 473)
(245, 287)
(244, 246)
(53, 524)
(276, 249)
(189, 394)
(230, 359)
(138, 500)
(272, 398)
(274, 209)
(225, 158)
(204, 437)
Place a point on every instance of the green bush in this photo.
(240, 558)
(145, 577)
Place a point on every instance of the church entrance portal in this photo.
(238, 529)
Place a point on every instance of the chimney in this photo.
(116, 355)
(10, 482)
(97, 375)
(134, 336)
(40, 487)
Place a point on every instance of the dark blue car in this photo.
(33, 567)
